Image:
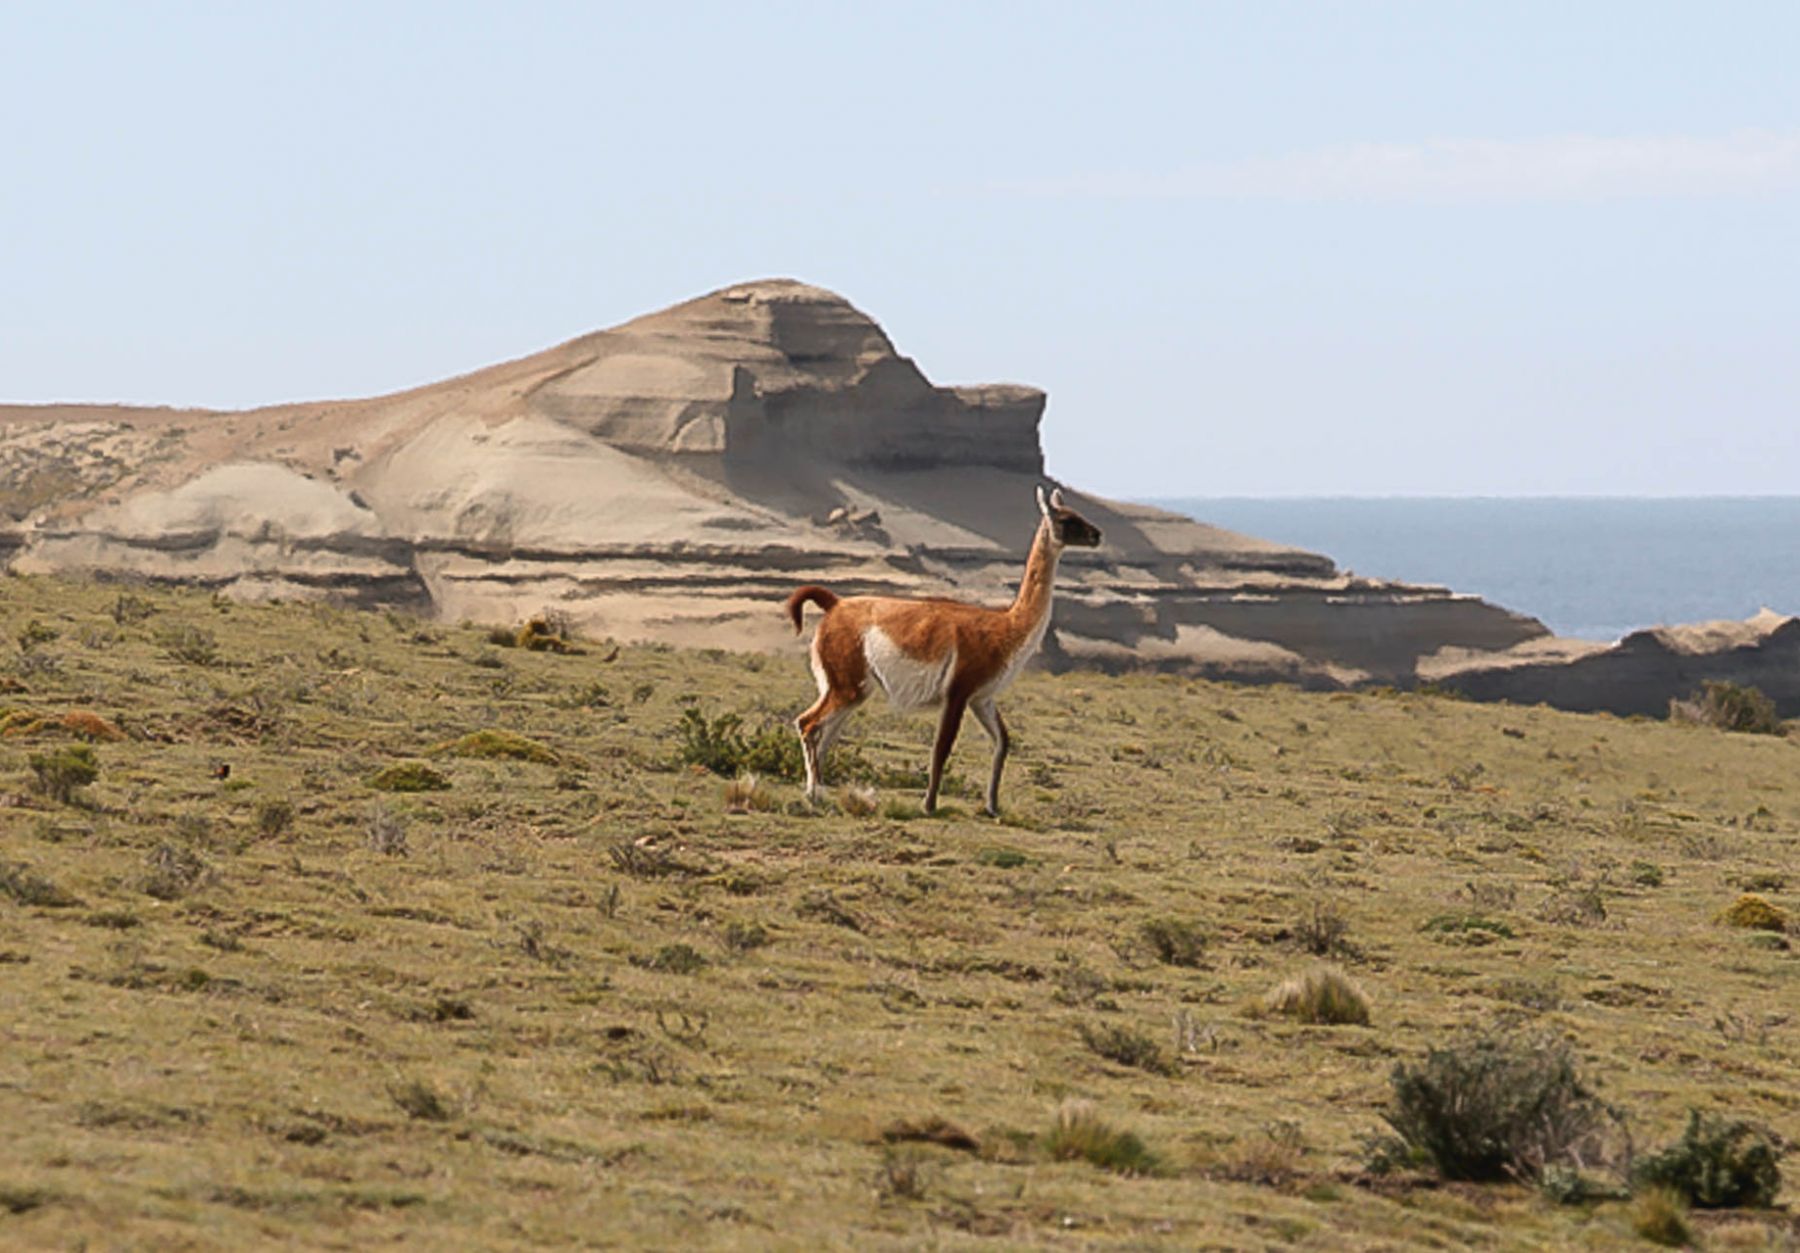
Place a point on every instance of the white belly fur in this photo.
(907, 681)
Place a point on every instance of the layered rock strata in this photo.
(672, 479)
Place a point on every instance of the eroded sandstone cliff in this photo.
(673, 478)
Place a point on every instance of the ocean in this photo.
(1590, 567)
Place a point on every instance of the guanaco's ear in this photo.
(1043, 504)
(1056, 501)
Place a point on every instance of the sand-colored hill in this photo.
(672, 478)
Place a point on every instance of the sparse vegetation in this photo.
(867, 983)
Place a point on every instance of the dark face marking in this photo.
(1074, 530)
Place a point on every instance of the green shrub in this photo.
(720, 745)
(1491, 1107)
(1718, 1163)
(62, 772)
(1729, 707)
(1322, 996)
(1754, 912)
(495, 744)
(409, 776)
(1079, 1134)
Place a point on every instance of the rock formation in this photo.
(673, 478)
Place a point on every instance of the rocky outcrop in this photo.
(1640, 674)
(673, 478)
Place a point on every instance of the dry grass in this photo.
(643, 1016)
(1322, 996)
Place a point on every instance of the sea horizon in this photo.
(1587, 566)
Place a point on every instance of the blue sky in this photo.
(1258, 248)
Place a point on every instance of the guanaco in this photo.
(924, 653)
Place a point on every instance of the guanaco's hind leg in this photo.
(988, 714)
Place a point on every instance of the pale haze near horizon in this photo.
(1248, 249)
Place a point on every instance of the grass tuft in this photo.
(1080, 1134)
(1322, 996)
(409, 776)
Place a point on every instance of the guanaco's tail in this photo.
(823, 597)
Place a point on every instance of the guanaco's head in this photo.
(1067, 528)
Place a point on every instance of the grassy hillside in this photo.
(573, 1000)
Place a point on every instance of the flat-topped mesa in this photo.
(779, 368)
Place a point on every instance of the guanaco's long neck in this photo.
(1032, 605)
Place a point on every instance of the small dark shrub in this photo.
(1127, 1047)
(61, 772)
(1492, 1107)
(1729, 707)
(673, 959)
(1322, 930)
(742, 937)
(901, 1175)
(1719, 1163)
(35, 633)
(173, 871)
(195, 645)
(418, 1099)
(1174, 941)
(274, 816)
(127, 609)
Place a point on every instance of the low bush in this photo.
(172, 871)
(1719, 1163)
(720, 745)
(62, 772)
(1729, 707)
(1492, 1107)
(409, 776)
(492, 744)
(1127, 1047)
(194, 645)
(1174, 941)
(1079, 1134)
(1323, 996)
(1754, 912)
(274, 816)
